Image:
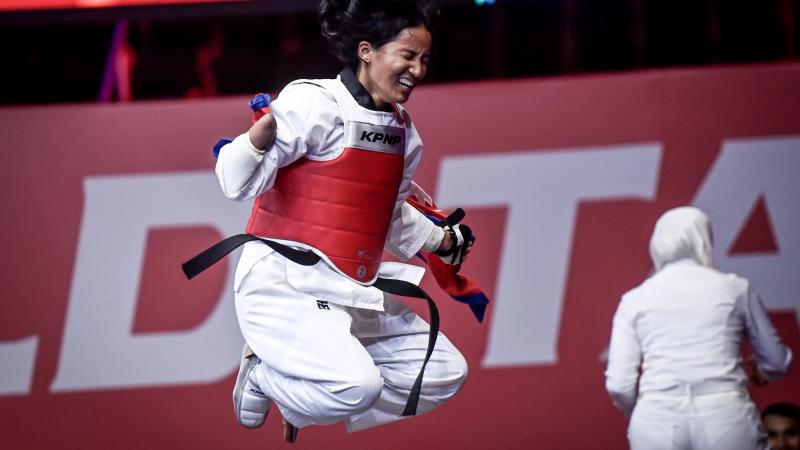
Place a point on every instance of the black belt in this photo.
(206, 259)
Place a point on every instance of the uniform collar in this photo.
(358, 91)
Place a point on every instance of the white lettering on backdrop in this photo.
(98, 349)
(542, 191)
(745, 170)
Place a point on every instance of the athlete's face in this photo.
(783, 432)
(391, 71)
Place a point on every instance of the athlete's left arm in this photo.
(410, 231)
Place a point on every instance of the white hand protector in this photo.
(456, 253)
(461, 235)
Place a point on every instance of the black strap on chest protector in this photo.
(210, 256)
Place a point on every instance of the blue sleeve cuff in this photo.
(260, 101)
(218, 146)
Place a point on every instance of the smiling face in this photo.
(391, 71)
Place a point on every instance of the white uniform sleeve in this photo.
(409, 229)
(773, 357)
(306, 122)
(624, 359)
(242, 170)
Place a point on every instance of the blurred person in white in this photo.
(782, 424)
(682, 329)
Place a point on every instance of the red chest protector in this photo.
(342, 207)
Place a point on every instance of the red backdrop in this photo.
(554, 258)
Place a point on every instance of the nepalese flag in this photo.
(457, 286)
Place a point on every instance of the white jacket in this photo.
(683, 326)
(309, 124)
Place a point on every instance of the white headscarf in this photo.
(681, 233)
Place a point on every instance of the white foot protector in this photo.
(250, 404)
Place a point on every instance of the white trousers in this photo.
(323, 362)
(719, 421)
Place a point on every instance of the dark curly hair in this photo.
(784, 409)
(345, 23)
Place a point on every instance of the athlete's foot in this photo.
(250, 404)
(289, 432)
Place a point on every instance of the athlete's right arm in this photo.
(262, 133)
(248, 166)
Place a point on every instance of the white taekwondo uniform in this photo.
(355, 356)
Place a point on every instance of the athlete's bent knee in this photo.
(457, 367)
(367, 390)
(353, 396)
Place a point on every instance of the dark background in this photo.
(240, 48)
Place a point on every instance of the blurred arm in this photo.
(773, 358)
(624, 359)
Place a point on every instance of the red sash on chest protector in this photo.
(342, 207)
